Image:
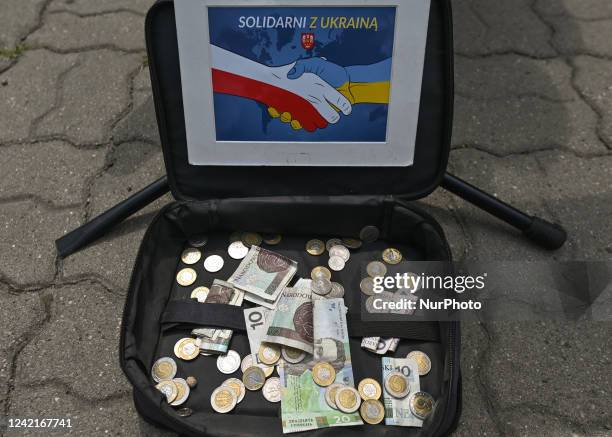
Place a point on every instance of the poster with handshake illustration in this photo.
(300, 75)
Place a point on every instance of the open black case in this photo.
(300, 203)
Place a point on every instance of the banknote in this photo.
(263, 273)
(260, 301)
(370, 343)
(397, 411)
(303, 405)
(380, 345)
(291, 323)
(256, 320)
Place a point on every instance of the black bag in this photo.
(299, 203)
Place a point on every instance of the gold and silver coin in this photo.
(249, 360)
(421, 404)
(376, 269)
(186, 349)
(253, 378)
(271, 389)
(335, 263)
(320, 272)
(341, 251)
(213, 263)
(367, 286)
(236, 385)
(369, 388)
(392, 256)
(251, 239)
(272, 239)
(191, 381)
(191, 255)
(169, 389)
(352, 243)
(397, 385)
(164, 368)
(332, 242)
(330, 395)
(323, 374)
(321, 286)
(228, 363)
(186, 276)
(369, 234)
(315, 247)
(223, 399)
(200, 293)
(372, 411)
(337, 291)
(237, 250)
(347, 399)
(183, 391)
(198, 241)
(269, 353)
(292, 355)
(423, 361)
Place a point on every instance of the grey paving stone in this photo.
(523, 124)
(580, 193)
(140, 123)
(142, 80)
(120, 30)
(114, 417)
(559, 368)
(591, 10)
(593, 79)
(527, 422)
(30, 91)
(27, 234)
(92, 98)
(573, 36)
(80, 343)
(100, 6)
(469, 30)
(505, 76)
(53, 171)
(17, 18)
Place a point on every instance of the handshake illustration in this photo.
(309, 93)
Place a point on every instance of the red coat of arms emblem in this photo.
(308, 40)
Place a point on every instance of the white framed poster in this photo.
(296, 82)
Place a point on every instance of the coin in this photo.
(421, 404)
(332, 242)
(335, 263)
(272, 239)
(341, 251)
(330, 395)
(235, 236)
(367, 286)
(250, 360)
(247, 362)
(237, 386)
(352, 243)
(372, 411)
(251, 239)
(163, 368)
(198, 241)
(186, 276)
(337, 291)
(271, 389)
(392, 256)
(186, 349)
(191, 255)
(213, 263)
(323, 374)
(183, 392)
(397, 385)
(267, 370)
(292, 355)
(269, 353)
(168, 388)
(191, 381)
(315, 247)
(253, 378)
(320, 272)
(347, 399)
(376, 268)
(369, 388)
(184, 412)
(321, 286)
(237, 250)
(223, 399)
(369, 234)
(422, 360)
(200, 293)
(228, 363)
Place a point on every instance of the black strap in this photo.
(190, 312)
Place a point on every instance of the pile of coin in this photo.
(348, 399)
(175, 389)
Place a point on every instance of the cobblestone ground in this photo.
(533, 124)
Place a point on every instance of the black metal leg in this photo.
(545, 234)
(100, 225)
